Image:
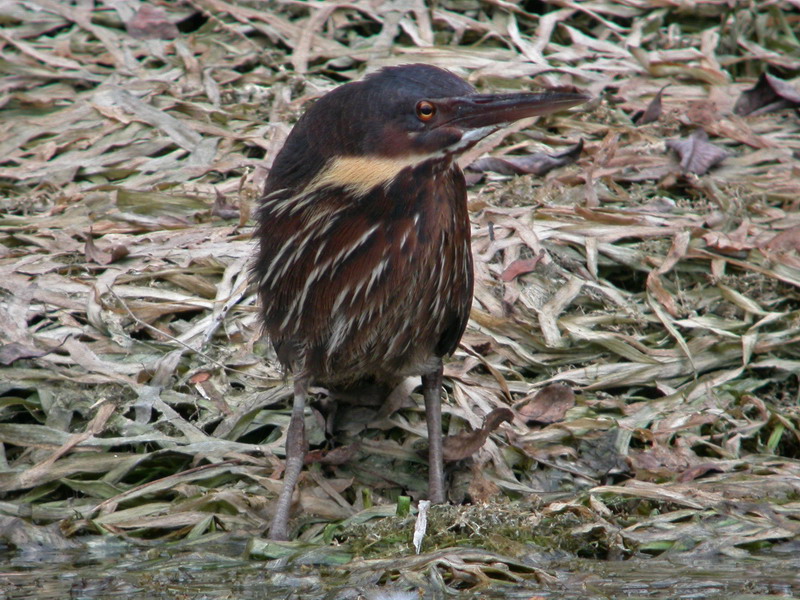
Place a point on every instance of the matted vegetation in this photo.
(637, 307)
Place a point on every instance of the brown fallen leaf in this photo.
(336, 456)
(736, 243)
(700, 113)
(698, 471)
(223, 209)
(206, 388)
(548, 405)
(15, 351)
(656, 287)
(652, 112)
(481, 490)
(697, 154)
(521, 266)
(785, 241)
(102, 257)
(538, 163)
(200, 377)
(768, 95)
(462, 445)
(658, 462)
(151, 23)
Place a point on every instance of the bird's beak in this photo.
(485, 110)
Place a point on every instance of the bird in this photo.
(363, 265)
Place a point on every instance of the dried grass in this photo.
(135, 397)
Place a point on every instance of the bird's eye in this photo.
(425, 110)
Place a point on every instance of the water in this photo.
(108, 568)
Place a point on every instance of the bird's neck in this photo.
(359, 175)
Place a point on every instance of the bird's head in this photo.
(363, 133)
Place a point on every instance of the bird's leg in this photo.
(296, 447)
(432, 392)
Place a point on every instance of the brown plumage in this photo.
(364, 269)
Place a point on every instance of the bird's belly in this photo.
(380, 315)
(392, 332)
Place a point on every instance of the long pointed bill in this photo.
(485, 110)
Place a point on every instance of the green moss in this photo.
(515, 528)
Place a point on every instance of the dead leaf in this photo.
(205, 387)
(223, 209)
(537, 164)
(736, 243)
(599, 456)
(463, 445)
(14, 351)
(481, 490)
(548, 405)
(335, 456)
(653, 110)
(697, 154)
(658, 462)
(93, 254)
(521, 266)
(698, 471)
(768, 95)
(785, 241)
(656, 287)
(200, 377)
(151, 23)
(701, 113)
